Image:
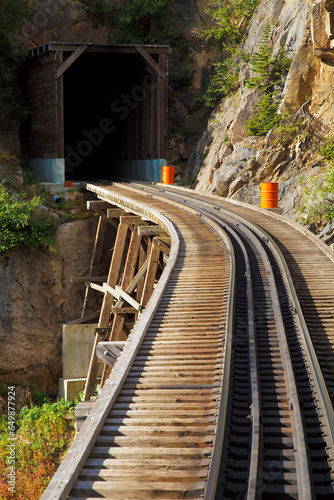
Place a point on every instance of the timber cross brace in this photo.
(138, 256)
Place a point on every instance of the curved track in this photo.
(210, 409)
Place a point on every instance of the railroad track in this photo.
(209, 409)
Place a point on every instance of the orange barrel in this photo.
(168, 175)
(269, 194)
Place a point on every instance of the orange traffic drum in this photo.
(168, 175)
(269, 194)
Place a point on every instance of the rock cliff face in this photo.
(60, 20)
(236, 163)
(36, 298)
(36, 294)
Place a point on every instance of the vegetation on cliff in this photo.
(30, 216)
(136, 21)
(34, 445)
(23, 222)
(231, 21)
(13, 14)
(317, 203)
(270, 72)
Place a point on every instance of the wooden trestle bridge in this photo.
(222, 317)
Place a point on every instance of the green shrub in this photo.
(224, 79)
(13, 14)
(290, 128)
(29, 177)
(23, 223)
(270, 73)
(231, 21)
(327, 149)
(317, 203)
(135, 21)
(266, 117)
(43, 434)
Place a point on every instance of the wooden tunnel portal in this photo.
(98, 111)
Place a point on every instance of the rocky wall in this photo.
(36, 298)
(231, 163)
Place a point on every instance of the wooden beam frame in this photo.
(102, 48)
(123, 310)
(108, 352)
(129, 271)
(150, 230)
(98, 205)
(96, 257)
(106, 306)
(163, 244)
(71, 59)
(150, 275)
(149, 59)
(60, 108)
(118, 293)
(115, 212)
(83, 319)
(69, 470)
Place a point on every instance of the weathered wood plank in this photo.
(148, 58)
(127, 298)
(83, 319)
(115, 212)
(150, 230)
(150, 275)
(109, 354)
(71, 59)
(163, 244)
(106, 306)
(128, 275)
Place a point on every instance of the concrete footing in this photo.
(77, 346)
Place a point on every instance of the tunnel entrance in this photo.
(98, 111)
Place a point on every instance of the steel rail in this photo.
(298, 435)
(63, 481)
(215, 199)
(212, 480)
(324, 403)
(211, 484)
(302, 463)
(69, 470)
(255, 461)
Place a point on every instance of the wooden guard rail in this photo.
(66, 475)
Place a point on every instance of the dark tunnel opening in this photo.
(103, 97)
(97, 111)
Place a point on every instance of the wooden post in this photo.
(97, 251)
(60, 107)
(150, 275)
(129, 272)
(113, 272)
(106, 306)
(162, 108)
(153, 123)
(140, 286)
